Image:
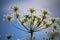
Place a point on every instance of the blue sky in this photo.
(6, 28)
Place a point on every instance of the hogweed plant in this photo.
(35, 23)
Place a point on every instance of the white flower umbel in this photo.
(8, 17)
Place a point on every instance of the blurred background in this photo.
(6, 28)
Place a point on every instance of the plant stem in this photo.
(31, 31)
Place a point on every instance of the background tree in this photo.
(34, 23)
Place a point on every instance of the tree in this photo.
(35, 22)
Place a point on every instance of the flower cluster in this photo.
(55, 20)
(8, 17)
(15, 8)
(54, 34)
(32, 10)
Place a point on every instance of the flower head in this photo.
(54, 34)
(15, 8)
(17, 15)
(45, 12)
(32, 10)
(55, 20)
(8, 17)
